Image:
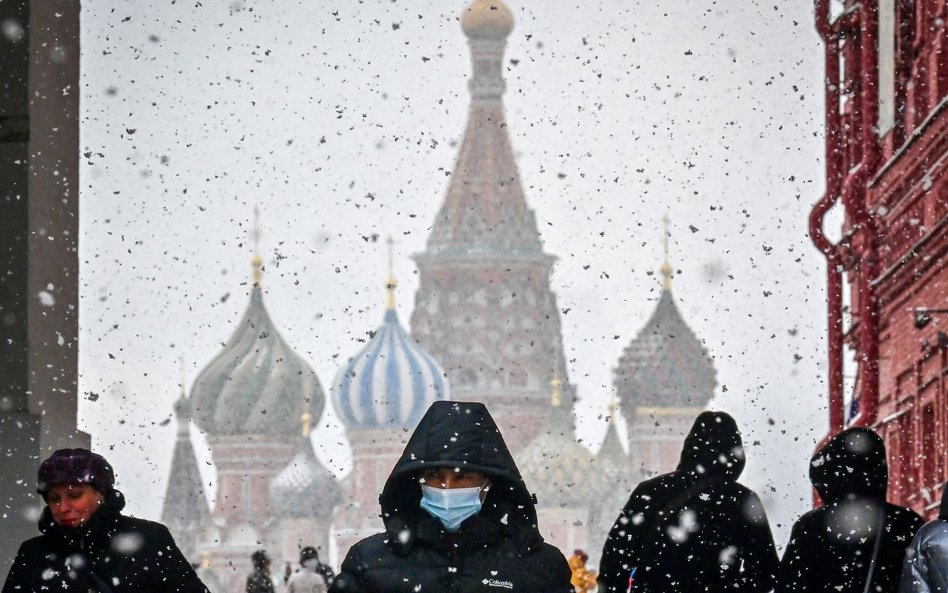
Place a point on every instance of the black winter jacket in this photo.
(499, 550)
(259, 582)
(831, 548)
(695, 529)
(128, 555)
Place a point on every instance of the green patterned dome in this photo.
(256, 384)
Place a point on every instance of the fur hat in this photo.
(75, 466)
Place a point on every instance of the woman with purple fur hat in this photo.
(87, 545)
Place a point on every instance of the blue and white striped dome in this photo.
(390, 383)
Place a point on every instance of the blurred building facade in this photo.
(886, 158)
(39, 258)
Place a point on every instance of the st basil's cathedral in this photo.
(485, 327)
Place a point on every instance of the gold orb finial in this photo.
(556, 396)
(556, 383)
(256, 261)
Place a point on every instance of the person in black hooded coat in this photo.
(925, 569)
(836, 548)
(694, 529)
(96, 548)
(498, 549)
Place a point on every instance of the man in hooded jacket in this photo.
(837, 547)
(925, 569)
(694, 529)
(431, 543)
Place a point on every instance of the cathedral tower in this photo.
(484, 308)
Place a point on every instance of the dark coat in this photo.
(127, 554)
(499, 550)
(259, 582)
(695, 529)
(925, 569)
(831, 548)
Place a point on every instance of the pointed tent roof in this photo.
(612, 460)
(185, 506)
(612, 450)
(485, 211)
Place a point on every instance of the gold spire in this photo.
(184, 376)
(666, 267)
(256, 262)
(613, 408)
(556, 395)
(307, 421)
(390, 283)
(205, 558)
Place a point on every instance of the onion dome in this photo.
(256, 384)
(391, 382)
(304, 489)
(555, 467)
(487, 19)
(666, 365)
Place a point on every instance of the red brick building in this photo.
(886, 156)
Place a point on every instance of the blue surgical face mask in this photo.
(451, 506)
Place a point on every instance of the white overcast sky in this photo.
(342, 120)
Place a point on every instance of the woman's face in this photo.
(71, 505)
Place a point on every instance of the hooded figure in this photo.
(495, 548)
(925, 569)
(87, 545)
(694, 529)
(837, 548)
(259, 580)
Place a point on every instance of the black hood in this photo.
(458, 435)
(851, 464)
(713, 448)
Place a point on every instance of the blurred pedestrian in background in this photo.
(312, 576)
(259, 580)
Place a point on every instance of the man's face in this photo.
(449, 478)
